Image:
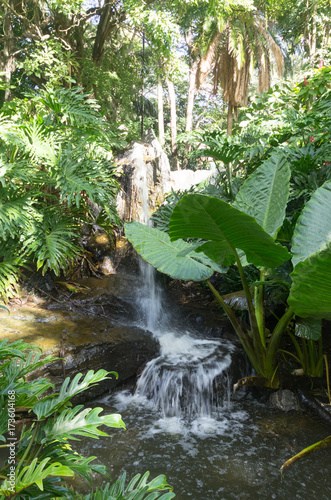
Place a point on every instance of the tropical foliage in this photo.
(245, 233)
(40, 456)
(56, 166)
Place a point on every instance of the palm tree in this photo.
(237, 45)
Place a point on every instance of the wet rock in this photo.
(120, 349)
(107, 266)
(126, 258)
(111, 306)
(40, 283)
(284, 400)
(83, 342)
(99, 243)
(145, 166)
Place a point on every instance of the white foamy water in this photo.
(190, 377)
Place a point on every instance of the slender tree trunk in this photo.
(8, 61)
(190, 97)
(326, 35)
(192, 89)
(142, 129)
(197, 125)
(160, 107)
(312, 33)
(229, 119)
(173, 124)
(313, 39)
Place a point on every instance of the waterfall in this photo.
(190, 377)
(149, 299)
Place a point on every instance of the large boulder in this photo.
(146, 176)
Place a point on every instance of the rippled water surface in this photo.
(235, 453)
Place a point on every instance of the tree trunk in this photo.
(160, 107)
(191, 95)
(229, 119)
(173, 124)
(8, 61)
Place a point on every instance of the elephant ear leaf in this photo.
(225, 229)
(265, 193)
(310, 293)
(177, 259)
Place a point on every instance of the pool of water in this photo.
(235, 453)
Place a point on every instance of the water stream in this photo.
(183, 421)
(182, 380)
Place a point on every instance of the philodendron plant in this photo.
(246, 233)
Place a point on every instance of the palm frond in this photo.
(273, 46)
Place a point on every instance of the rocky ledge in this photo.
(81, 342)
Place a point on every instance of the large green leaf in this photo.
(310, 293)
(265, 193)
(308, 328)
(313, 230)
(74, 422)
(137, 489)
(178, 259)
(69, 389)
(35, 474)
(226, 228)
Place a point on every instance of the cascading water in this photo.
(149, 299)
(184, 380)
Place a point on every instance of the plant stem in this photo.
(27, 451)
(259, 350)
(275, 339)
(327, 376)
(259, 309)
(250, 305)
(239, 329)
